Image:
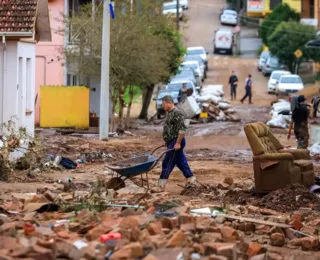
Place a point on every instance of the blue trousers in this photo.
(175, 158)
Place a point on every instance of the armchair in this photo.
(275, 167)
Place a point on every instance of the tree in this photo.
(281, 13)
(167, 32)
(139, 56)
(289, 37)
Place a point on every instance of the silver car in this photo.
(263, 59)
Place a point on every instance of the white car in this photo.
(184, 4)
(195, 65)
(171, 9)
(263, 59)
(199, 51)
(275, 76)
(289, 84)
(229, 17)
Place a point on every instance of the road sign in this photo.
(298, 53)
(236, 29)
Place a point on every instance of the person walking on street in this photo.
(299, 123)
(233, 82)
(174, 136)
(248, 88)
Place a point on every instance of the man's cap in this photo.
(301, 98)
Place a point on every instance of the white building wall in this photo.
(26, 60)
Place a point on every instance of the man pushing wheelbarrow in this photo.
(173, 134)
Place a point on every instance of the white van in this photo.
(223, 41)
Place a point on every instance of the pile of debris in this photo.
(209, 106)
(156, 229)
(212, 101)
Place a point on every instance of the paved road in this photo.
(203, 20)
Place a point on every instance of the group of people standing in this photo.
(233, 82)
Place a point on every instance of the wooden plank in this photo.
(257, 221)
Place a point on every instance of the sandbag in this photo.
(281, 106)
(278, 121)
(216, 90)
(224, 106)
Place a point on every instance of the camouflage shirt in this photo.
(173, 125)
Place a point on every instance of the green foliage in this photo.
(281, 13)
(289, 37)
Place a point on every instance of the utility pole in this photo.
(178, 16)
(238, 42)
(104, 95)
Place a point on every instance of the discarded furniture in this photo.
(274, 166)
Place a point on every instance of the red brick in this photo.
(309, 230)
(229, 234)
(295, 242)
(188, 227)
(277, 239)
(211, 237)
(309, 243)
(186, 219)
(121, 254)
(42, 253)
(135, 248)
(129, 222)
(273, 256)
(179, 239)
(97, 231)
(227, 250)
(155, 228)
(167, 223)
(255, 249)
(296, 224)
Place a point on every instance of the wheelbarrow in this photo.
(133, 167)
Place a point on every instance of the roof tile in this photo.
(17, 15)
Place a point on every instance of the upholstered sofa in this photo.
(274, 166)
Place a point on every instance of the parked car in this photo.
(288, 84)
(176, 85)
(272, 64)
(194, 65)
(188, 74)
(263, 59)
(229, 17)
(274, 78)
(158, 99)
(226, 8)
(199, 60)
(199, 51)
(171, 9)
(223, 41)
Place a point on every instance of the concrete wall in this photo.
(71, 110)
(49, 64)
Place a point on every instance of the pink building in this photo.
(49, 55)
(50, 60)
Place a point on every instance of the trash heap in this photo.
(280, 114)
(212, 101)
(37, 226)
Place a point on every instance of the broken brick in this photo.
(135, 248)
(129, 222)
(255, 249)
(277, 239)
(155, 228)
(96, 232)
(121, 254)
(227, 250)
(296, 223)
(309, 243)
(167, 223)
(179, 239)
(186, 219)
(309, 230)
(229, 234)
(211, 237)
(295, 242)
